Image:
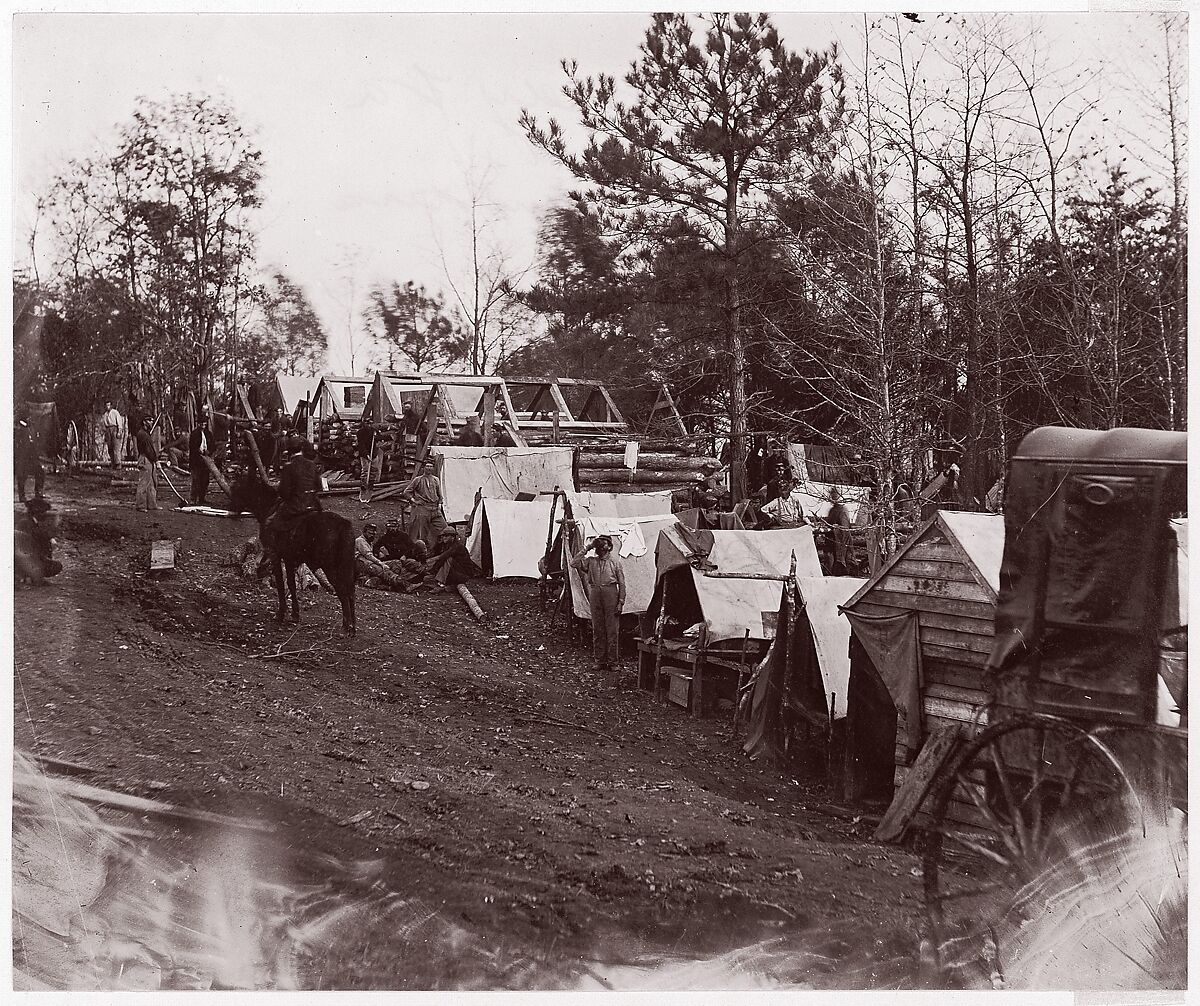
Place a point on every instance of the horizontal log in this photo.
(929, 602)
(656, 461)
(593, 476)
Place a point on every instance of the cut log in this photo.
(917, 783)
(216, 474)
(258, 461)
(472, 604)
(656, 461)
(619, 476)
(162, 556)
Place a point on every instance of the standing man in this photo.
(425, 494)
(110, 424)
(365, 443)
(470, 435)
(147, 490)
(839, 519)
(785, 510)
(26, 463)
(604, 583)
(200, 446)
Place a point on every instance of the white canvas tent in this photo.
(508, 537)
(499, 473)
(821, 597)
(600, 504)
(816, 498)
(732, 606)
(637, 562)
(287, 391)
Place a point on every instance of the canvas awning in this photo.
(639, 569)
(732, 606)
(499, 473)
(512, 533)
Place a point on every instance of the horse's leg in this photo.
(346, 596)
(277, 574)
(291, 579)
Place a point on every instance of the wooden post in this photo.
(697, 703)
(660, 628)
(554, 426)
(741, 682)
(489, 417)
(262, 469)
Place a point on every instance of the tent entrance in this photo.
(869, 746)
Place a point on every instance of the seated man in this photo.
(451, 564)
(394, 544)
(372, 571)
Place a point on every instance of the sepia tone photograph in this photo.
(600, 502)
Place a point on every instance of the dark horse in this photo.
(319, 539)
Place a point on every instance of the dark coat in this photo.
(461, 566)
(299, 484)
(145, 445)
(394, 545)
(195, 455)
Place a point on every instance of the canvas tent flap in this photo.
(598, 504)
(515, 533)
(640, 571)
(731, 606)
(831, 632)
(893, 642)
(981, 536)
(293, 390)
(499, 473)
(816, 499)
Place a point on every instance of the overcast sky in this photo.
(371, 125)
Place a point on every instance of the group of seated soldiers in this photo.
(395, 561)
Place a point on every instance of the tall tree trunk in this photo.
(736, 347)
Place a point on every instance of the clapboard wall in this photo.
(934, 575)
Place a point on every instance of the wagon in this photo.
(1086, 681)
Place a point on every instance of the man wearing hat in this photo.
(604, 584)
(394, 543)
(200, 446)
(147, 490)
(425, 494)
(370, 569)
(785, 510)
(451, 563)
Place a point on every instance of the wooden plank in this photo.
(940, 550)
(951, 693)
(952, 653)
(918, 781)
(944, 710)
(980, 627)
(956, 675)
(955, 640)
(936, 568)
(932, 602)
(934, 587)
(162, 556)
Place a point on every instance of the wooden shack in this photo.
(942, 583)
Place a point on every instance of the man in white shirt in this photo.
(110, 424)
(785, 510)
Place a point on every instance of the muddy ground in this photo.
(527, 800)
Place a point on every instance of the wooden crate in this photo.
(680, 690)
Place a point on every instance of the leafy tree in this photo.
(721, 112)
(294, 328)
(409, 321)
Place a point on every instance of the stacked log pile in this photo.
(601, 467)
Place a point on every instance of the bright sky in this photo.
(371, 125)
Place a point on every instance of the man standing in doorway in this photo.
(110, 424)
(604, 582)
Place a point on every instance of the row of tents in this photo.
(868, 668)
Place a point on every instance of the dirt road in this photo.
(485, 770)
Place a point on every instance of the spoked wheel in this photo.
(1000, 814)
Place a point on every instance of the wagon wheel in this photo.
(1023, 782)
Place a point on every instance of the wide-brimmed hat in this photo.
(603, 539)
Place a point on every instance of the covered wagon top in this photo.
(1060, 443)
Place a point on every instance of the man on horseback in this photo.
(299, 484)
